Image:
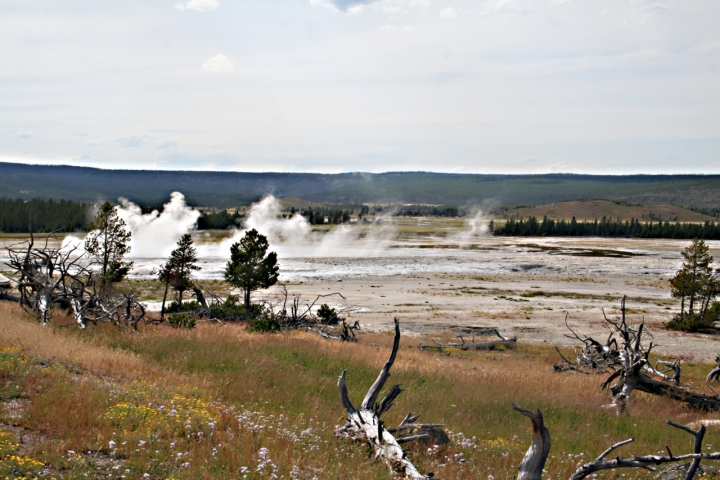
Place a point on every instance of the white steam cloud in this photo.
(476, 226)
(294, 238)
(155, 234)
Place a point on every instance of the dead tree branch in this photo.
(363, 424)
(504, 342)
(649, 462)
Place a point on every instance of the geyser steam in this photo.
(293, 237)
(154, 234)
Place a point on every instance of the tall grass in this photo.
(273, 404)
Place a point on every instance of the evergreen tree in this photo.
(108, 242)
(249, 268)
(177, 271)
(696, 285)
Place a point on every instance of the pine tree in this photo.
(249, 268)
(177, 271)
(696, 284)
(108, 242)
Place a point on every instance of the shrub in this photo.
(692, 322)
(264, 325)
(181, 320)
(231, 309)
(190, 306)
(327, 314)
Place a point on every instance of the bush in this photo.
(264, 325)
(190, 306)
(181, 320)
(327, 314)
(230, 310)
(692, 322)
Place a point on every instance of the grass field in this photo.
(219, 402)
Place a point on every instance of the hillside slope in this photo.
(597, 209)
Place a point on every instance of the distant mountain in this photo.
(225, 189)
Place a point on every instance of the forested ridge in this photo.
(605, 227)
(232, 189)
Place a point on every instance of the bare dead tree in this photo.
(62, 277)
(364, 424)
(625, 354)
(293, 312)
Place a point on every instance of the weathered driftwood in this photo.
(715, 372)
(364, 424)
(531, 467)
(504, 342)
(625, 354)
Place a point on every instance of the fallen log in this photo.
(504, 342)
(9, 297)
(363, 424)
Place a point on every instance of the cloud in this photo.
(395, 27)
(351, 6)
(199, 5)
(527, 161)
(448, 12)
(133, 141)
(218, 63)
(25, 134)
(168, 144)
(559, 166)
(504, 7)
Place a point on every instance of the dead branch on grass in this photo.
(364, 424)
(504, 342)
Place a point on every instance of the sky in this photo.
(474, 86)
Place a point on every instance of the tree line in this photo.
(606, 227)
(42, 216)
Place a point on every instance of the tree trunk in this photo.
(246, 297)
(162, 308)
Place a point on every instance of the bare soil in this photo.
(532, 294)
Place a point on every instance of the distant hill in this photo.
(227, 189)
(596, 209)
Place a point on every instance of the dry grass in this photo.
(283, 385)
(590, 210)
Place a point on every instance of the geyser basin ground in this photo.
(435, 275)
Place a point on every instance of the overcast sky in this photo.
(500, 86)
